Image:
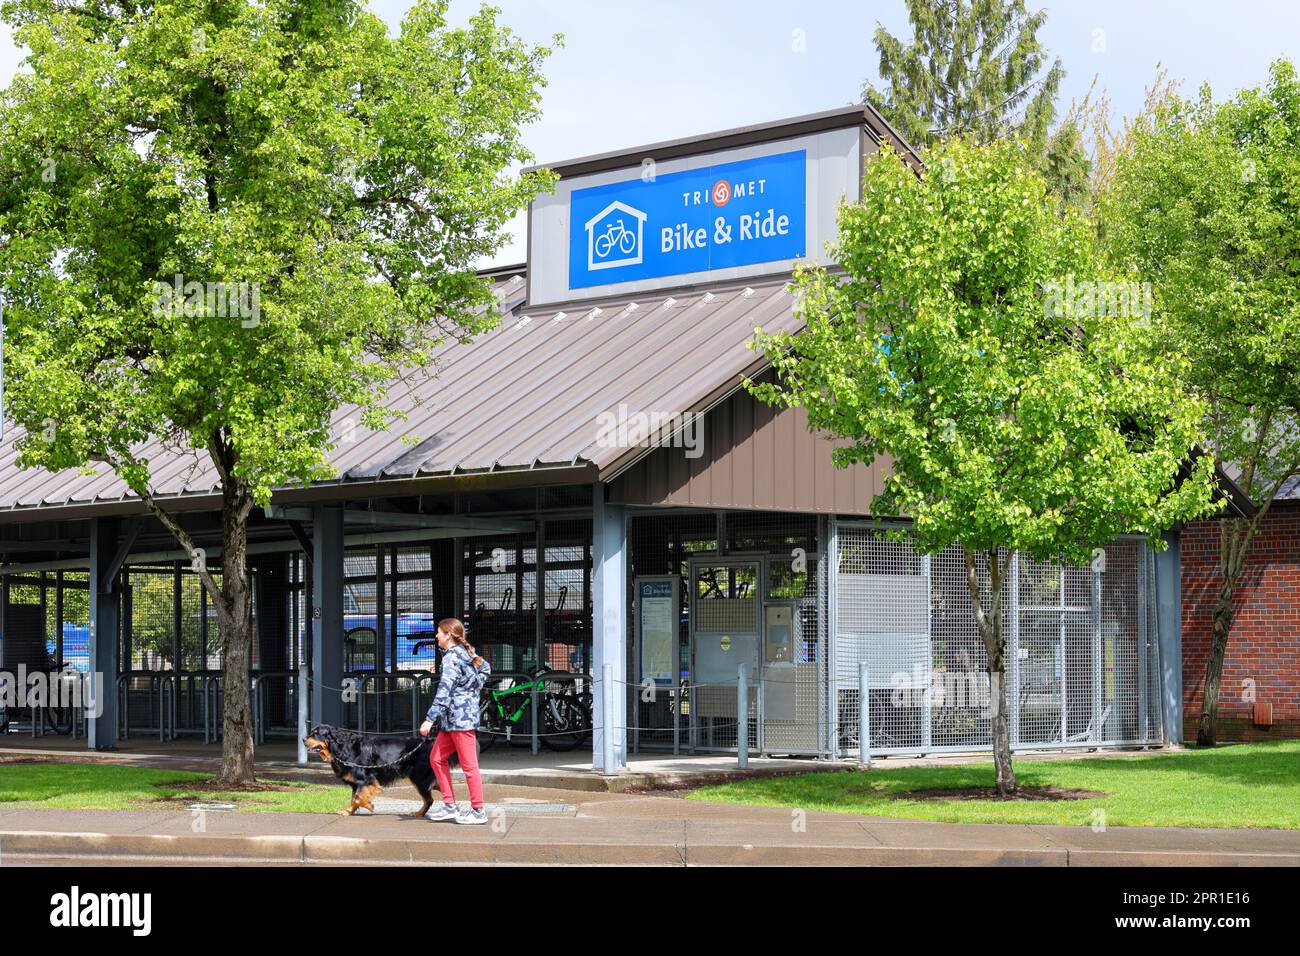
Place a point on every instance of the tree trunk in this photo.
(989, 622)
(236, 719)
(999, 701)
(1234, 544)
(1207, 731)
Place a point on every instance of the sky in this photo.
(634, 72)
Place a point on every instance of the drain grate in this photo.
(513, 808)
(383, 805)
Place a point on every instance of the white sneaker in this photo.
(445, 813)
(472, 818)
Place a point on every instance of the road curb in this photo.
(161, 849)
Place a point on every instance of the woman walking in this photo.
(454, 714)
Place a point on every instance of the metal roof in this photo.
(524, 397)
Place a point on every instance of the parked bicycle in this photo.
(53, 715)
(564, 715)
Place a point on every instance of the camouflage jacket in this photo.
(456, 702)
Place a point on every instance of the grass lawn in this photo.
(1241, 785)
(111, 787)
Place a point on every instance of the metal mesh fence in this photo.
(519, 630)
(500, 600)
(566, 634)
(661, 545)
(151, 629)
(760, 599)
(958, 710)
(803, 608)
(1083, 660)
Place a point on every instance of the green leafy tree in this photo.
(222, 220)
(1204, 199)
(976, 69)
(1019, 415)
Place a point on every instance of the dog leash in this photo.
(375, 766)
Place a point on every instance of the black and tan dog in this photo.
(369, 763)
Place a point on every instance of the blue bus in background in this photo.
(76, 647)
(359, 635)
(358, 650)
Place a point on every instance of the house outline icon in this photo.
(627, 260)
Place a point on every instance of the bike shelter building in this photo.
(591, 488)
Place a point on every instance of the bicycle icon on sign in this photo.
(614, 236)
(616, 233)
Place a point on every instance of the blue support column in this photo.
(1169, 633)
(609, 629)
(327, 615)
(105, 597)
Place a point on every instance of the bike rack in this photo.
(167, 707)
(194, 684)
(543, 678)
(389, 683)
(212, 707)
(160, 689)
(258, 699)
(255, 687)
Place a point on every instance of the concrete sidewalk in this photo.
(550, 827)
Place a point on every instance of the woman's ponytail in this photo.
(454, 627)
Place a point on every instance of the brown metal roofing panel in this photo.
(792, 482)
(764, 445)
(821, 466)
(665, 363)
(584, 356)
(509, 390)
(597, 356)
(528, 393)
(742, 430)
(726, 357)
(757, 458)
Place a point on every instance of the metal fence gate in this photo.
(1084, 661)
(751, 586)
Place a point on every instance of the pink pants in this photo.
(464, 744)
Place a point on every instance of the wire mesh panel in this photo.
(792, 700)
(724, 598)
(1084, 658)
(960, 691)
(1044, 620)
(500, 600)
(658, 545)
(170, 644)
(752, 588)
(566, 636)
(152, 626)
(388, 610)
(71, 638)
(1153, 726)
(362, 648)
(411, 613)
(882, 620)
(1123, 690)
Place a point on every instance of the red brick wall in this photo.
(1264, 644)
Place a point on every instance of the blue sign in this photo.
(714, 217)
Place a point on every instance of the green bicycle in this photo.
(564, 715)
